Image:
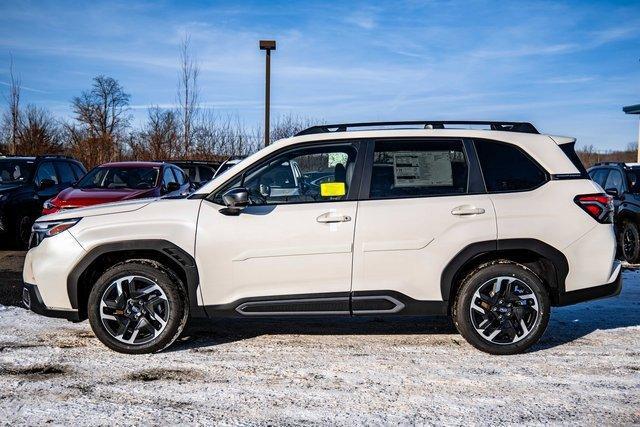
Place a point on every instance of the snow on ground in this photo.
(586, 370)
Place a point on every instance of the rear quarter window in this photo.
(506, 167)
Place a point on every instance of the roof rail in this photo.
(523, 127)
(54, 156)
(610, 163)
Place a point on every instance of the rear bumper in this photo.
(33, 301)
(610, 289)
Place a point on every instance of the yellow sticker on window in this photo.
(333, 189)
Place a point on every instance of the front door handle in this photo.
(330, 217)
(466, 210)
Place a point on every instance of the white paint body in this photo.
(401, 245)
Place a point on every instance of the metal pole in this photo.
(267, 98)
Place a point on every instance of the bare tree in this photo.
(288, 125)
(11, 119)
(39, 132)
(103, 117)
(188, 93)
(161, 134)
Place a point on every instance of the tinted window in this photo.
(418, 168)
(180, 176)
(614, 180)
(506, 168)
(206, 173)
(287, 178)
(633, 180)
(78, 170)
(167, 176)
(66, 173)
(599, 176)
(15, 171)
(46, 171)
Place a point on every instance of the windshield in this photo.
(136, 178)
(14, 171)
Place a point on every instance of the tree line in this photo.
(101, 130)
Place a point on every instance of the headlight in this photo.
(3, 197)
(48, 205)
(44, 229)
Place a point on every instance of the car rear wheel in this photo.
(138, 306)
(502, 308)
(630, 242)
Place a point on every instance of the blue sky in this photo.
(568, 67)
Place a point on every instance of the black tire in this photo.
(23, 231)
(174, 311)
(504, 310)
(630, 242)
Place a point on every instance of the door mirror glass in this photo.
(333, 189)
(236, 200)
(612, 192)
(46, 183)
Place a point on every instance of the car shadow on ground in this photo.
(567, 324)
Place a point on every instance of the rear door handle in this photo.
(466, 210)
(330, 217)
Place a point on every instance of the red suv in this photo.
(113, 182)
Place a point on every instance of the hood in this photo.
(104, 209)
(92, 196)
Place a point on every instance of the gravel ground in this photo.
(586, 370)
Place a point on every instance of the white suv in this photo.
(492, 227)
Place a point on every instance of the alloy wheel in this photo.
(134, 310)
(628, 243)
(504, 310)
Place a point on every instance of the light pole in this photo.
(267, 45)
(634, 109)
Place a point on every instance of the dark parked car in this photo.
(114, 182)
(25, 183)
(199, 171)
(622, 182)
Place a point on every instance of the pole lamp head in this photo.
(267, 45)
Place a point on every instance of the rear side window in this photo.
(418, 168)
(507, 168)
(66, 173)
(570, 152)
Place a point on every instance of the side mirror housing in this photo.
(172, 186)
(236, 200)
(46, 183)
(612, 192)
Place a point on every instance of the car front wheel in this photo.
(137, 306)
(630, 242)
(502, 308)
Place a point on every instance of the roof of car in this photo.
(132, 164)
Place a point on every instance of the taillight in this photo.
(598, 206)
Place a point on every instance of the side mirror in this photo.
(236, 200)
(46, 183)
(172, 186)
(612, 192)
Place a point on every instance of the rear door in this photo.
(422, 202)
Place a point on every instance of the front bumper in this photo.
(33, 301)
(611, 289)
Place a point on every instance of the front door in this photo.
(289, 251)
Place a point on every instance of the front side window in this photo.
(167, 177)
(599, 176)
(507, 168)
(66, 173)
(614, 180)
(418, 168)
(315, 174)
(46, 171)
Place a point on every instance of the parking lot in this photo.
(585, 370)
